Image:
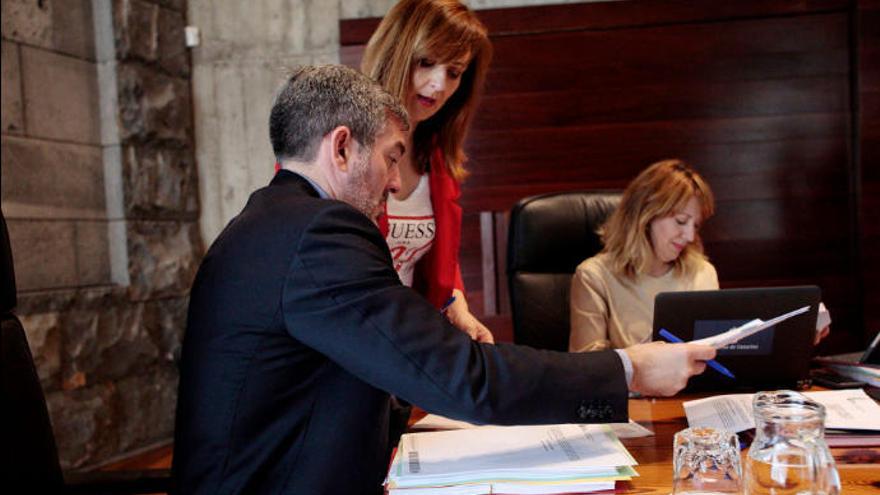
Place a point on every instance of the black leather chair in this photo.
(29, 454)
(548, 236)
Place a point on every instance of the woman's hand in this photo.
(460, 316)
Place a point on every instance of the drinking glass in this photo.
(789, 455)
(706, 461)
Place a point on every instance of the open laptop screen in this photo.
(776, 357)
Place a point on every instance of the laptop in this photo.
(869, 357)
(778, 357)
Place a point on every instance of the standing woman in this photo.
(433, 55)
(652, 245)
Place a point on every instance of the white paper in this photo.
(849, 409)
(823, 318)
(437, 422)
(738, 333)
(723, 412)
(630, 430)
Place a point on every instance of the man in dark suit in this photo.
(299, 327)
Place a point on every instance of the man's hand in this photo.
(663, 369)
(460, 316)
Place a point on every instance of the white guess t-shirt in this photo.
(410, 229)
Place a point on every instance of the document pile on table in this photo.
(851, 417)
(541, 459)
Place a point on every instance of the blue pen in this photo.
(715, 365)
(447, 304)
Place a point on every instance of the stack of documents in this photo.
(848, 411)
(541, 459)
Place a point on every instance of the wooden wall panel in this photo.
(759, 96)
(640, 56)
(609, 15)
(868, 127)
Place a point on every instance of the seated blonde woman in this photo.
(652, 245)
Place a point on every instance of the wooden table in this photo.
(859, 468)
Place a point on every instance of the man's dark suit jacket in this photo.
(299, 328)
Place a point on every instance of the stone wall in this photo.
(99, 189)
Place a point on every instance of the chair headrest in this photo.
(553, 233)
(7, 272)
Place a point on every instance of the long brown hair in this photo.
(444, 30)
(659, 191)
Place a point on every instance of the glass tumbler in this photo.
(789, 455)
(706, 461)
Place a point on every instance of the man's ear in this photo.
(341, 147)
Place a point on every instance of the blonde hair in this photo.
(660, 190)
(444, 30)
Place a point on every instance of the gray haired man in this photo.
(299, 327)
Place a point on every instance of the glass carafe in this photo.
(789, 455)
